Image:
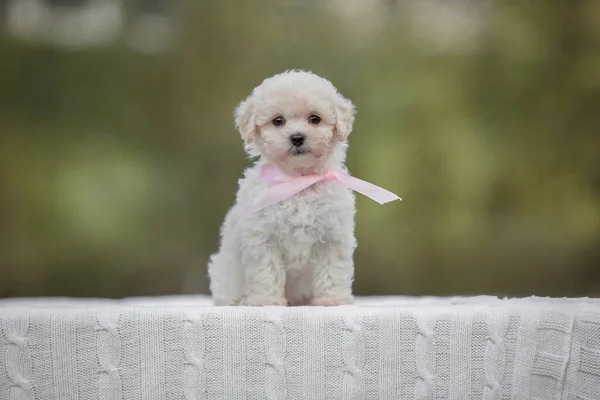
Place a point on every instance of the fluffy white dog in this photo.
(297, 250)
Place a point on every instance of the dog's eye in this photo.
(278, 121)
(314, 119)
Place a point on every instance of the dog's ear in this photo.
(245, 120)
(344, 115)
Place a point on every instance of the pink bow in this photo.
(281, 186)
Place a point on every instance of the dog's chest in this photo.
(309, 218)
(299, 234)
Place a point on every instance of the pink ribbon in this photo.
(281, 186)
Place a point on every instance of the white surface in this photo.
(382, 348)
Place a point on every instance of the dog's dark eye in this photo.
(278, 121)
(314, 119)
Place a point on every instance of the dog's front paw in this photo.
(331, 301)
(296, 303)
(263, 301)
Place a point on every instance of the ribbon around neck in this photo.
(281, 186)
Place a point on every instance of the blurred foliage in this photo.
(117, 167)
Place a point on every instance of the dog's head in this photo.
(296, 120)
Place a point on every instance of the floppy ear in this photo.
(344, 115)
(245, 118)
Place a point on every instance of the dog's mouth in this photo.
(298, 151)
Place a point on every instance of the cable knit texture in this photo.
(275, 344)
(495, 350)
(194, 344)
(109, 354)
(380, 348)
(17, 357)
(353, 352)
(426, 361)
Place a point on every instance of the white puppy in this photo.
(298, 251)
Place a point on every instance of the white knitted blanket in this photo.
(381, 348)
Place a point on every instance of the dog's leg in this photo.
(333, 275)
(264, 276)
(225, 267)
(298, 285)
(226, 279)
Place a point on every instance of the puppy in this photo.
(296, 248)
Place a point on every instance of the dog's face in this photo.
(295, 131)
(295, 120)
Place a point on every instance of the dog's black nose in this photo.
(297, 139)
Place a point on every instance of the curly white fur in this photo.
(298, 251)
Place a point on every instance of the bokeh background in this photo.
(119, 157)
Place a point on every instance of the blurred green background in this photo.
(119, 157)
